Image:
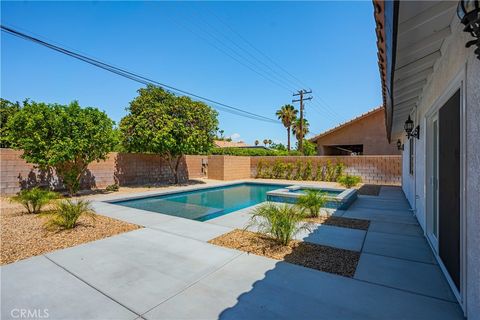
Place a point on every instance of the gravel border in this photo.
(341, 222)
(328, 259)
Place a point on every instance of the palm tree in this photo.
(265, 142)
(270, 142)
(288, 115)
(257, 142)
(296, 129)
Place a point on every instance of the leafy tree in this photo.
(162, 123)
(7, 110)
(288, 115)
(66, 138)
(278, 146)
(309, 148)
(296, 129)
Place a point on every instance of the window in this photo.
(411, 155)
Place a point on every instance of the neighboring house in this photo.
(429, 75)
(229, 144)
(363, 135)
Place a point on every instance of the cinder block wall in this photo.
(121, 168)
(228, 167)
(385, 170)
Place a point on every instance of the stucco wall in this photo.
(455, 59)
(369, 131)
(228, 167)
(121, 168)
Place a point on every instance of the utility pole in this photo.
(301, 99)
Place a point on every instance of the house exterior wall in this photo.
(369, 131)
(121, 168)
(455, 59)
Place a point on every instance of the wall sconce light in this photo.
(400, 145)
(415, 133)
(469, 13)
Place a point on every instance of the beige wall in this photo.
(369, 131)
(121, 168)
(228, 167)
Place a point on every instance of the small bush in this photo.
(307, 171)
(289, 171)
(281, 222)
(312, 201)
(67, 212)
(34, 199)
(260, 166)
(298, 170)
(349, 181)
(339, 168)
(235, 151)
(329, 171)
(112, 187)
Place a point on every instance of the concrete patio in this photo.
(168, 270)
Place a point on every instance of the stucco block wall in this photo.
(121, 168)
(455, 59)
(369, 131)
(386, 170)
(228, 167)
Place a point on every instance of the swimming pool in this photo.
(204, 204)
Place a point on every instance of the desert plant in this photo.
(279, 221)
(307, 171)
(113, 187)
(298, 170)
(312, 201)
(67, 213)
(339, 168)
(289, 171)
(349, 181)
(329, 171)
(278, 170)
(260, 166)
(34, 199)
(318, 173)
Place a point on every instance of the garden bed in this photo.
(23, 235)
(341, 222)
(323, 258)
(369, 190)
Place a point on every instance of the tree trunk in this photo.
(173, 163)
(288, 137)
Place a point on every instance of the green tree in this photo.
(296, 129)
(288, 115)
(162, 123)
(66, 138)
(309, 148)
(7, 110)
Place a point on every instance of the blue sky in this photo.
(327, 46)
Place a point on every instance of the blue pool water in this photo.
(204, 204)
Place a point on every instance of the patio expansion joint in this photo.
(194, 283)
(405, 259)
(93, 287)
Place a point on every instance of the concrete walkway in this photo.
(168, 271)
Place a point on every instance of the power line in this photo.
(135, 77)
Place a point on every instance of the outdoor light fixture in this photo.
(469, 13)
(411, 133)
(400, 145)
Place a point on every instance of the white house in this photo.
(429, 75)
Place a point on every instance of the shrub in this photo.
(34, 199)
(235, 151)
(67, 212)
(319, 174)
(113, 187)
(281, 222)
(298, 170)
(329, 171)
(260, 168)
(349, 181)
(307, 171)
(339, 168)
(312, 201)
(289, 171)
(278, 170)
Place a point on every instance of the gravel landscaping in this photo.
(369, 190)
(341, 222)
(23, 235)
(323, 258)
